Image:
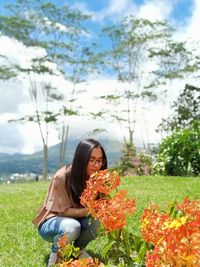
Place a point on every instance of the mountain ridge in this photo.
(33, 163)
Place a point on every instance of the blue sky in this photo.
(182, 10)
(183, 15)
(104, 12)
(179, 10)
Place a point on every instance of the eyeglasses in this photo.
(94, 161)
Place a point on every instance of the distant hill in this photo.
(32, 163)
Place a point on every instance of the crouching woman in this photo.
(61, 212)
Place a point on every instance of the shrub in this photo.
(179, 154)
(133, 163)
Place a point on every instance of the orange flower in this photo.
(111, 211)
(100, 183)
(85, 263)
(176, 240)
(62, 241)
(152, 227)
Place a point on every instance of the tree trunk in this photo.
(63, 145)
(45, 162)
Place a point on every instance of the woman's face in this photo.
(95, 161)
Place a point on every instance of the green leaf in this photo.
(68, 252)
(76, 251)
(107, 247)
(126, 242)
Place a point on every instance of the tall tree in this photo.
(172, 59)
(55, 30)
(68, 49)
(127, 57)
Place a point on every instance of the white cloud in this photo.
(12, 94)
(115, 11)
(32, 139)
(155, 10)
(191, 29)
(26, 138)
(117, 7)
(11, 139)
(16, 52)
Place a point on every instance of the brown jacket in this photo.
(57, 199)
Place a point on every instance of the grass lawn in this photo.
(21, 245)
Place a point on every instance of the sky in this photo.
(183, 15)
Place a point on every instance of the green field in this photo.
(20, 244)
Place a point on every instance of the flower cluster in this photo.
(176, 240)
(83, 263)
(111, 210)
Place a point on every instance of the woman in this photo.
(61, 211)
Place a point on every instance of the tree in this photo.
(185, 110)
(68, 49)
(173, 59)
(127, 57)
(55, 31)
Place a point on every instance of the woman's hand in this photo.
(74, 212)
(83, 212)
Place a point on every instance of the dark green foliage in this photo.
(186, 109)
(179, 154)
(130, 249)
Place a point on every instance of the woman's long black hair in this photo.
(76, 180)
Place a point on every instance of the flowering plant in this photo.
(111, 207)
(169, 238)
(68, 256)
(175, 235)
(111, 210)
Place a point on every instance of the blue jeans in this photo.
(80, 230)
